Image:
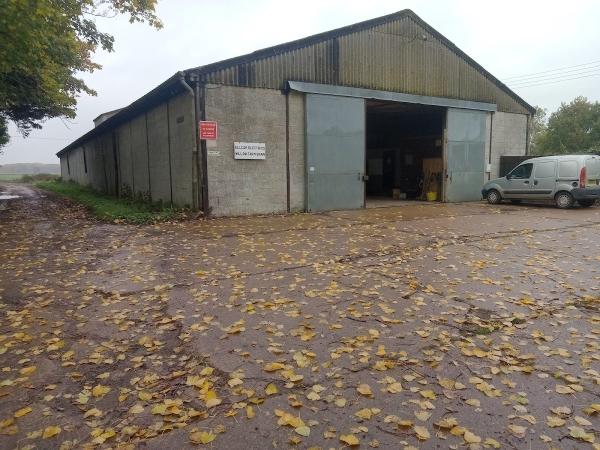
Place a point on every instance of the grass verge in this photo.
(10, 177)
(111, 208)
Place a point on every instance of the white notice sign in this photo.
(249, 150)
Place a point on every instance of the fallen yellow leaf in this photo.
(364, 413)
(202, 437)
(100, 390)
(273, 367)
(271, 389)
(27, 370)
(365, 390)
(302, 430)
(22, 412)
(579, 433)
(471, 438)
(94, 412)
(428, 394)
(50, 432)
(349, 439)
(554, 421)
(422, 433)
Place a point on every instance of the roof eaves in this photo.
(114, 111)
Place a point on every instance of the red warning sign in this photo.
(208, 130)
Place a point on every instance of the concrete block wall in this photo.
(74, 169)
(240, 187)
(153, 156)
(509, 137)
(95, 160)
(105, 146)
(139, 158)
(182, 142)
(64, 173)
(159, 160)
(125, 166)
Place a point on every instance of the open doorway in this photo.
(404, 152)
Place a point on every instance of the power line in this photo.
(565, 73)
(552, 70)
(556, 77)
(554, 82)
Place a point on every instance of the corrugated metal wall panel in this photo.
(398, 56)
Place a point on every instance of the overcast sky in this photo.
(508, 38)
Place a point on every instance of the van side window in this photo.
(593, 168)
(545, 169)
(567, 169)
(523, 172)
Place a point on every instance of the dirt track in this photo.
(439, 325)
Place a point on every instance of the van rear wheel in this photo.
(493, 197)
(564, 200)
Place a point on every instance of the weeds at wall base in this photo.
(113, 209)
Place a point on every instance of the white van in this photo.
(565, 179)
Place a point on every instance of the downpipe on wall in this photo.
(199, 153)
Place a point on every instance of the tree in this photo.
(573, 128)
(537, 127)
(45, 43)
(3, 133)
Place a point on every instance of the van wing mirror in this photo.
(508, 176)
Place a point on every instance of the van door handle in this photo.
(526, 182)
(535, 182)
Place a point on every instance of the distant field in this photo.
(10, 176)
(19, 177)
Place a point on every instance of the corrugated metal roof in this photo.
(398, 52)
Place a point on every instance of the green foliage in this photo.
(3, 133)
(537, 127)
(111, 208)
(10, 177)
(45, 43)
(573, 128)
(38, 177)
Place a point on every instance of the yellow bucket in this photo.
(432, 196)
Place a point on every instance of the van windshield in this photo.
(522, 172)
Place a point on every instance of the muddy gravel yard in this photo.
(420, 326)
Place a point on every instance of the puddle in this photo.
(8, 197)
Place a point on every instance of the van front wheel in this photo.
(493, 197)
(564, 200)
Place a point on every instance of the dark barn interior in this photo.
(404, 150)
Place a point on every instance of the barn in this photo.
(381, 110)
